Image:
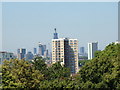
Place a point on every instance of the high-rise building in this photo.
(29, 56)
(46, 53)
(82, 50)
(35, 51)
(21, 53)
(55, 34)
(66, 51)
(6, 56)
(92, 47)
(42, 49)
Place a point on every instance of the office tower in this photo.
(35, 51)
(50, 55)
(45, 53)
(92, 47)
(21, 53)
(6, 56)
(29, 56)
(82, 50)
(40, 49)
(43, 49)
(66, 51)
(55, 34)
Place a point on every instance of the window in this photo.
(75, 40)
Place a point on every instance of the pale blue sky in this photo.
(26, 24)
(0, 26)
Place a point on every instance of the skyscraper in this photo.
(55, 34)
(43, 49)
(21, 53)
(46, 53)
(66, 51)
(35, 51)
(82, 50)
(92, 47)
(29, 56)
(40, 49)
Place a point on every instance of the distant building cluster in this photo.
(6, 56)
(64, 50)
(42, 52)
(21, 53)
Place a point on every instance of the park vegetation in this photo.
(103, 71)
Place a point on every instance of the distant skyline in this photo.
(27, 23)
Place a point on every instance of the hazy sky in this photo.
(0, 26)
(26, 24)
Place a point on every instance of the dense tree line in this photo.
(103, 71)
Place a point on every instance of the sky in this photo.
(0, 26)
(24, 24)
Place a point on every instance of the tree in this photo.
(82, 62)
(58, 71)
(104, 70)
(53, 72)
(39, 64)
(20, 74)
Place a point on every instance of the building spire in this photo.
(55, 34)
(55, 30)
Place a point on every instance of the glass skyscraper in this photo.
(21, 53)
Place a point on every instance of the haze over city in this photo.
(25, 24)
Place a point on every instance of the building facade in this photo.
(29, 56)
(82, 50)
(45, 53)
(66, 51)
(92, 48)
(6, 56)
(41, 49)
(35, 51)
(21, 53)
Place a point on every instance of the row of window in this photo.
(57, 59)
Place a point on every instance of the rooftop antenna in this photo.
(55, 30)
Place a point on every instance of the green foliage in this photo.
(97, 53)
(53, 72)
(58, 71)
(39, 64)
(82, 62)
(104, 70)
(20, 74)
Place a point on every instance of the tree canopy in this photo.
(103, 71)
(52, 72)
(20, 74)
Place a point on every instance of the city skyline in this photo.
(26, 24)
